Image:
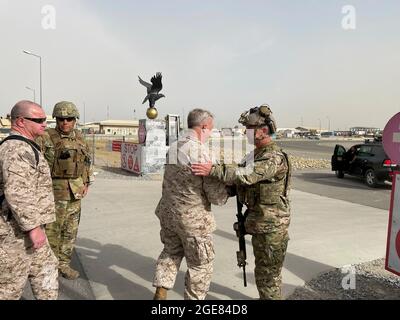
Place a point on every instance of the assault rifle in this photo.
(240, 233)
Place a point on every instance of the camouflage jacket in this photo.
(263, 186)
(26, 185)
(185, 205)
(67, 188)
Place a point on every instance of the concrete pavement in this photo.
(118, 242)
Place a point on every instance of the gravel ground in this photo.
(109, 172)
(299, 163)
(117, 173)
(372, 282)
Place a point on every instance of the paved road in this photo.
(325, 183)
(315, 149)
(79, 289)
(351, 189)
(118, 241)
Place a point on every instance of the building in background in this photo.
(51, 123)
(112, 127)
(364, 131)
(5, 127)
(5, 123)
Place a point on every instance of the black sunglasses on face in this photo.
(36, 120)
(68, 119)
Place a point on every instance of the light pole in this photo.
(329, 123)
(40, 71)
(319, 125)
(34, 93)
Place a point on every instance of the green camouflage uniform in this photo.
(264, 190)
(68, 187)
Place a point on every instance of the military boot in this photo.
(161, 294)
(68, 273)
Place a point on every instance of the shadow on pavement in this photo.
(302, 267)
(119, 171)
(108, 258)
(78, 289)
(232, 236)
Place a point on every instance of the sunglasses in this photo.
(67, 119)
(36, 120)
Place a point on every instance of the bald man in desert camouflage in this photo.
(27, 204)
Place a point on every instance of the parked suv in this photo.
(368, 161)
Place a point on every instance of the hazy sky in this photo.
(225, 56)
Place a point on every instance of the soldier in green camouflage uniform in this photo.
(68, 156)
(263, 187)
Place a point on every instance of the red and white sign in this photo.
(391, 138)
(116, 145)
(142, 133)
(131, 157)
(392, 263)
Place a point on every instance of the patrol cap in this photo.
(65, 109)
(259, 117)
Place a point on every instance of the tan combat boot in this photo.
(161, 294)
(68, 273)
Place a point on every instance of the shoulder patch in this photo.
(29, 157)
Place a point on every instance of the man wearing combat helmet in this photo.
(68, 157)
(264, 190)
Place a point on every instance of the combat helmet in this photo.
(65, 109)
(259, 117)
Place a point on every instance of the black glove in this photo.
(231, 190)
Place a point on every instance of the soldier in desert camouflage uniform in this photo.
(185, 213)
(264, 190)
(69, 160)
(26, 205)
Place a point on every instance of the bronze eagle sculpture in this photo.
(153, 89)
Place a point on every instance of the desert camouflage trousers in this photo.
(20, 262)
(63, 232)
(269, 252)
(199, 254)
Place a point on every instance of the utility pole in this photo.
(84, 119)
(34, 93)
(40, 73)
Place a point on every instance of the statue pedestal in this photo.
(149, 155)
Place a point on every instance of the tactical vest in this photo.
(70, 156)
(273, 193)
(35, 148)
